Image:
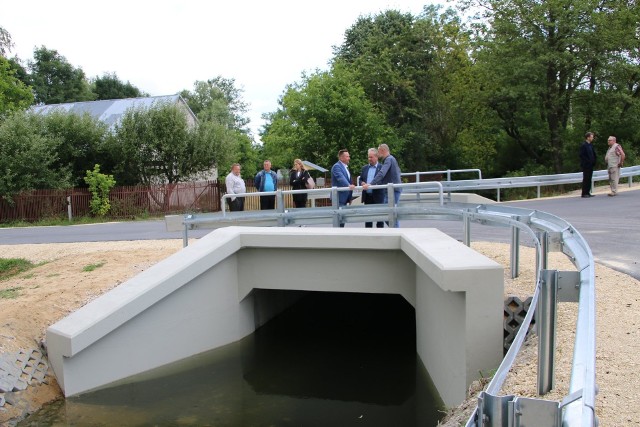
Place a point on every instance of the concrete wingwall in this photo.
(206, 295)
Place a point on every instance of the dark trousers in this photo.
(368, 199)
(587, 174)
(267, 202)
(237, 204)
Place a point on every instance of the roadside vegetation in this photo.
(10, 267)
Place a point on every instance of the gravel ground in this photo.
(64, 282)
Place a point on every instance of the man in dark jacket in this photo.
(370, 196)
(587, 163)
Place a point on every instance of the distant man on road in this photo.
(587, 163)
(614, 160)
(235, 185)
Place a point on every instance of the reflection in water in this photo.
(333, 359)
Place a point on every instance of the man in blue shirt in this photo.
(267, 180)
(368, 173)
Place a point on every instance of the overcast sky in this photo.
(164, 46)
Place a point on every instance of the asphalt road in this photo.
(611, 226)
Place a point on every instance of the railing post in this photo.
(546, 317)
(543, 238)
(280, 207)
(498, 189)
(334, 205)
(515, 251)
(391, 202)
(538, 191)
(466, 228)
(69, 208)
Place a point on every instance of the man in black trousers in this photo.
(587, 163)
(371, 196)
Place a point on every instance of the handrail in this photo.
(579, 409)
(416, 188)
(448, 172)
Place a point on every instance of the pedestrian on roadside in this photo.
(614, 159)
(235, 185)
(266, 180)
(587, 163)
(367, 174)
(298, 178)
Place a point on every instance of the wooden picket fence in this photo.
(126, 202)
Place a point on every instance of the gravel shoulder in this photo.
(72, 274)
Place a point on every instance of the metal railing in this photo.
(447, 173)
(547, 231)
(536, 181)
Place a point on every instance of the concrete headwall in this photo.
(204, 297)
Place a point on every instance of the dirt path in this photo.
(73, 274)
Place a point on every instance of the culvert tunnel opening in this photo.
(335, 345)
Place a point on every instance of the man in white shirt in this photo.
(235, 185)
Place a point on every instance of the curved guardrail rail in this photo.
(548, 232)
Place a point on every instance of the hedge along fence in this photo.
(128, 201)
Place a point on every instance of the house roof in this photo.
(110, 111)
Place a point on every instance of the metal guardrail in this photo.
(537, 181)
(548, 232)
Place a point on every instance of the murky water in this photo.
(331, 360)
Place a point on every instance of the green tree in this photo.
(545, 58)
(218, 102)
(83, 139)
(393, 55)
(5, 42)
(54, 80)
(28, 156)
(14, 95)
(156, 145)
(325, 112)
(109, 86)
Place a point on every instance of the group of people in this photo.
(374, 173)
(382, 168)
(614, 159)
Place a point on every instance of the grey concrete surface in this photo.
(202, 297)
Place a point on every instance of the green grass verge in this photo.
(92, 267)
(10, 267)
(10, 293)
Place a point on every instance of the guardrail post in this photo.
(392, 202)
(334, 205)
(280, 207)
(498, 195)
(546, 318)
(466, 228)
(543, 238)
(515, 251)
(538, 191)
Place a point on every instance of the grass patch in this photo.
(10, 267)
(92, 267)
(10, 293)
